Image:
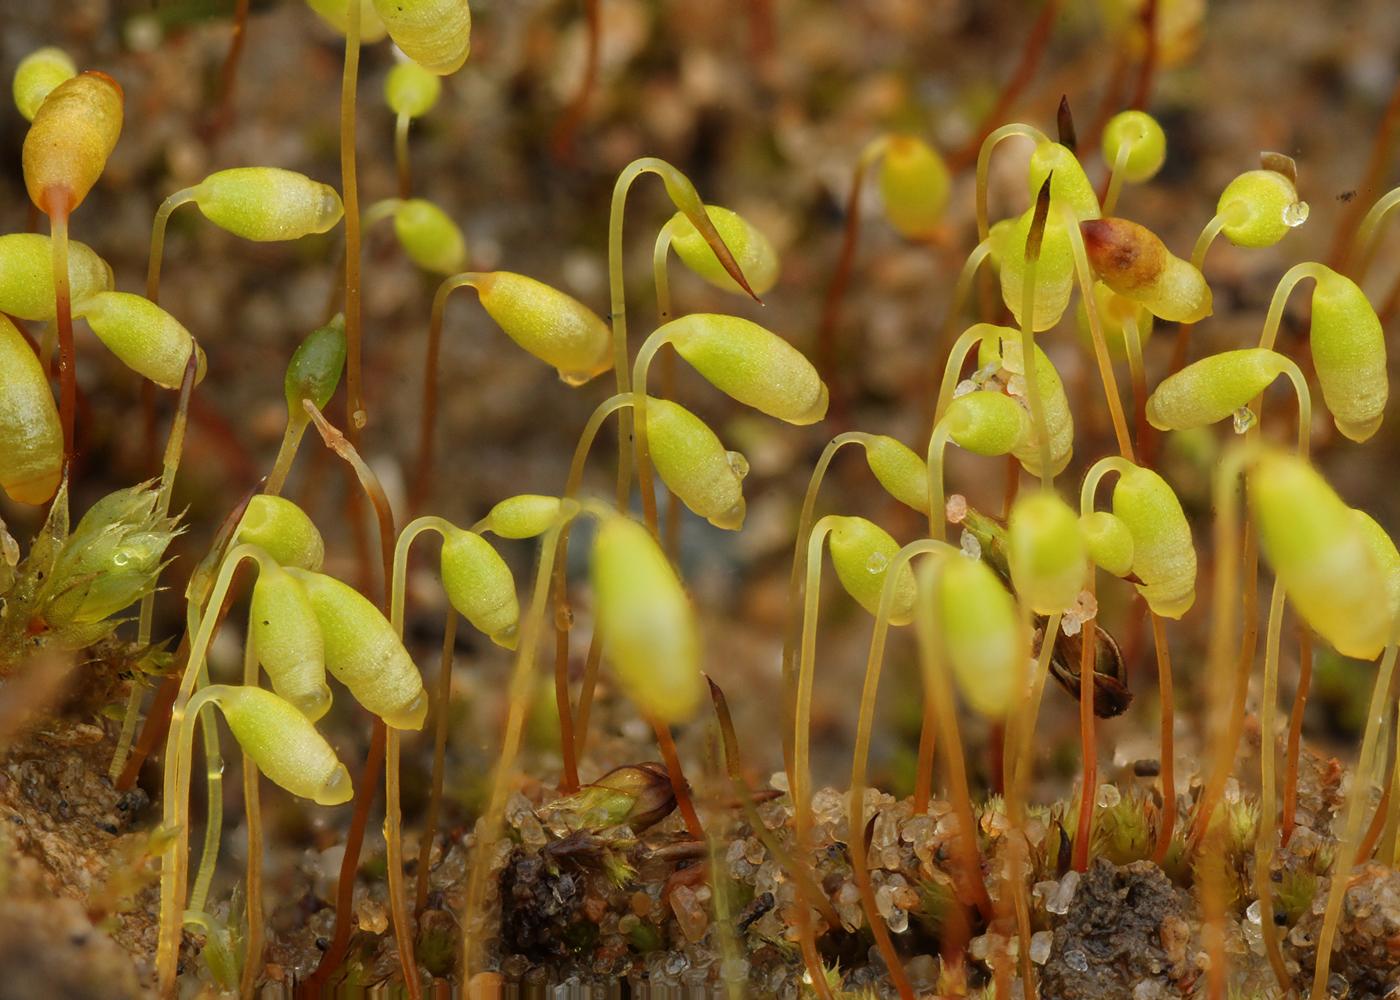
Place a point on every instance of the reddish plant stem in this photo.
(1142, 92)
(569, 781)
(1295, 735)
(1373, 832)
(228, 73)
(442, 701)
(1376, 167)
(679, 786)
(826, 353)
(566, 131)
(923, 775)
(1087, 746)
(57, 206)
(1167, 753)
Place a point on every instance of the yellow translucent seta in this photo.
(73, 132)
(436, 34)
(31, 438)
(411, 90)
(1116, 312)
(1348, 351)
(751, 249)
(987, 423)
(1259, 207)
(282, 530)
(336, 14)
(1213, 388)
(1069, 184)
(146, 338)
(1002, 347)
(480, 586)
(914, 185)
(284, 744)
(1108, 542)
(364, 653)
(37, 75)
(750, 364)
(981, 633)
(1164, 556)
(287, 639)
(1046, 552)
(861, 553)
(525, 515)
(1144, 139)
(694, 464)
(553, 326)
(1054, 275)
(26, 275)
(647, 623)
(267, 204)
(430, 237)
(899, 469)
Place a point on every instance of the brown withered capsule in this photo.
(1132, 261)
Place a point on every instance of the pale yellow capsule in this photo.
(31, 438)
(436, 34)
(1348, 350)
(694, 464)
(284, 631)
(862, 552)
(900, 471)
(267, 204)
(1164, 557)
(336, 14)
(1069, 185)
(981, 632)
(284, 744)
(73, 133)
(282, 530)
(37, 75)
(1109, 542)
(430, 237)
(1211, 389)
(752, 252)
(1002, 347)
(480, 586)
(914, 185)
(147, 339)
(1046, 552)
(526, 515)
(1054, 275)
(987, 423)
(553, 326)
(411, 90)
(1387, 557)
(26, 275)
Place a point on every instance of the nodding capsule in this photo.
(268, 204)
(430, 237)
(147, 339)
(1108, 541)
(981, 632)
(862, 553)
(1002, 349)
(1387, 558)
(314, 369)
(436, 34)
(37, 75)
(287, 638)
(988, 423)
(1164, 556)
(1132, 261)
(1259, 207)
(526, 515)
(284, 744)
(900, 470)
(282, 530)
(1046, 552)
(73, 132)
(31, 438)
(914, 185)
(757, 259)
(694, 464)
(480, 585)
(1054, 275)
(1213, 388)
(553, 326)
(1348, 350)
(1144, 139)
(411, 90)
(26, 275)
(1069, 185)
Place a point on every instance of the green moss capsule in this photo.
(899, 470)
(1386, 556)
(480, 586)
(37, 75)
(287, 638)
(914, 185)
(526, 515)
(1108, 542)
(336, 13)
(861, 552)
(1002, 348)
(694, 464)
(1348, 350)
(26, 275)
(987, 423)
(554, 327)
(1069, 184)
(364, 653)
(267, 204)
(31, 438)
(1145, 141)
(282, 530)
(1046, 551)
(1132, 261)
(751, 364)
(1259, 207)
(411, 90)
(436, 34)
(429, 237)
(1164, 557)
(146, 338)
(73, 133)
(752, 252)
(284, 744)
(1054, 275)
(314, 370)
(981, 632)
(1320, 553)
(647, 622)
(1213, 388)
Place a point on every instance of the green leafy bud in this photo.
(914, 185)
(646, 620)
(639, 795)
(411, 90)
(267, 204)
(74, 130)
(752, 252)
(751, 364)
(1132, 261)
(981, 633)
(287, 638)
(336, 14)
(31, 438)
(526, 515)
(1348, 350)
(1260, 207)
(1108, 541)
(987, 422)
(480, 586)
(1164, 557)
(1386, 556)
(39, 73)
(1146, 143)
(314, 371)
(429, 236)
(1115, 312)
(146, 338)
(554, 327)
(1002, 347)
(282, 530)
(1054, 275)
(364, 653)
(861, 552)
(1319, 551)
(1211, 389)
(26, 275)
(1046, 552)
(284, 744)
(1069, 185)
(436, 34)
(694, 464)
(900, 471)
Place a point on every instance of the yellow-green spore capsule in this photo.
(267, 204)
(526, 515)
(1259, 208)
(862, 552)
(429, 236)
(31, 438)
(26, 275)
(1115, 313)
(1387, 558)
(1069, 185)
(336, 13)
(1003, 347)
(1132, 261)
(554, 327)
(1348, 350)
(899, 470)
(981, 633)
(1319, 552)
(987, 423)
(364, 653)
(480, 586)
(285, 745)
(647, 623)
(146, 338)
(914, 185)
(1144, 139)
(1164, 557)
(751, 364)
(73, 133)
(752, 252)
(436, 34)
(695, 466)
(282, 530)
(37, 75)
(1046, 552)
(411, 90)
(1213, 388)
(1054, 274)
(1108, 542)
(314, 369)
(287, 639)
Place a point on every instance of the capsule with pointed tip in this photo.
(480, 586)
(694, 464)
(411, 90)
(73, 132)
(553, 326)
(1132, 261)
(1145, 141)
(1108, 541)
(981, 633)
(1213, 388)
(1069, 185)
(1259, 207)
(1348, 351)
(1002, 347)
(899, 470)
(37, 75)
(146, 338)
(287, 638)
(750, 364)
(526, 515)
(647, 623)
(751, 249)
(1164, 556)
(862, 553)
(436, 34)
(314, 369)
(26, 275)
(1046, 552)
(31, 438)
(429, 236)
(986, 422)
(284, 744)
(336, 14)
(1054, 274)
(914, 185)
(267, 204)
(282, 530)
(364, 652)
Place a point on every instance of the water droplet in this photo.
(738, 463)
(877, 563)
(1108, 796)
(360, 417)
(1296, 214)
(1244, 419)
(1077, 960)
(120, 559)
(970, 546)
(963, 388)
(574, 379)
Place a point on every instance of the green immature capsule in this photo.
(31, 438)
(480, 586)
(429, 237)
(1116, 313)
(1145, 141)
(1054, 275)
(73, 133)
(1047, 553)
(981, 633)
(26, 275)
(146, 338)
(694, 465)
(1108, 542)
(336, 13)
(314, 370)
(1386, 556)
(752, 252)
(1164, 557)
(554, 327)
(1348, 350)
(899, 469)
(364, 652)
(37, 75)
(267, 204)
(284, 744)
(1069, 185)
(862, 552)
(647, 621)
(1259, 207)
(436, 34)
(751, 364)
(987, 423)
(287, 638)
(527, 515)
(1212, 389)
(411, 90)
(914, 185)
(282, 530)
(1132, 261)
(1320, 553)
(1002, 348)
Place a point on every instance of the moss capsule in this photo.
(1115, 313)
(267, 204)
(1046, 551)
(282, 530)
(554, 327)
(1386, 556)
(285, 745)
(1132, 261)
(411, 90)
(987, 423)
(1259, 208)
(526, 515)
(914, 185)
(1108, 542)
(1348, 350)
(899, 470)
(1144, 139)
(147, 339)
(26, 275)
(694, 464)
(1164, 557)
(752, 252)
(31, 438)
(287, 638)
(1069, 185)
(314, 370)
(1054, 275)
(336, 14)
(981, 633)
(480, 586)
(37, 75)
(430, 237)
(436, 34)
(73, 133)
(862, 552)
(1211, 389)
(1003, 348)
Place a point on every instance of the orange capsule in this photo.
(73, 133)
